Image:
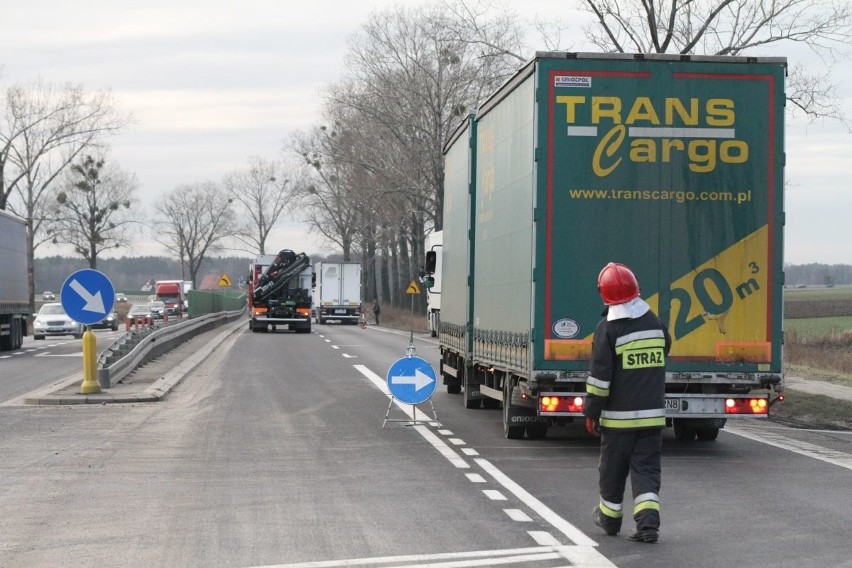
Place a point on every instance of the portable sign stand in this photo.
(411, 380)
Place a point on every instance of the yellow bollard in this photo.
(90, 383)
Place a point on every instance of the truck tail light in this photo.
(560, 403)
(304, 312)
(746, 406)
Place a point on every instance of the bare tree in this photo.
(333, 198)
(92, 210)
(410, 80)
(43, 128)
(195, 220)
(262, 192)
(733, 27)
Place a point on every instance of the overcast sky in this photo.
(212, 83)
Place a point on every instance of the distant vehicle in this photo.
(337, 292)
(139, 312)
(120, 298)
(109, 322)
(280, 293)
(15, 308)
(157, 309)
(434, 243)
(48, 296)
(52, 320)
(171, 293)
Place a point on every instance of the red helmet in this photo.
(617, 284)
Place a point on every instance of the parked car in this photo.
(52, 320)
(109, 322)
(120, 298)
(48, 296)
(139, 313)
(158, 309)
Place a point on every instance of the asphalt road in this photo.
(39, 363)
(272, 453)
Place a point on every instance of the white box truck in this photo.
(337, 295)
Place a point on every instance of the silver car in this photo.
(52, 320)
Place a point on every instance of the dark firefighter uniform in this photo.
(626, 393)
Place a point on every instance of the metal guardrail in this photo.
(136, 348)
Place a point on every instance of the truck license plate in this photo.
(673, 404)
(340, 312)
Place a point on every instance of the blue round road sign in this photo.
(87, 296)
(411, 380)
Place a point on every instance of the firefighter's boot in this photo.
(644, 535)
(609, 525)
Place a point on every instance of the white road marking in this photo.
(469, 452)
(457, 442)
(495, 495)
(49, 354)
(467, 559)
(588, 555)
(348, 356)
(543, 538)
(475, 478)
(576, 535)
(518, 515)
(797, 447)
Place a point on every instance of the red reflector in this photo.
(746, 406)
(566, 403)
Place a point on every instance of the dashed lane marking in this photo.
(584, 554)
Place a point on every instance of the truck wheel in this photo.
(37, 337)
(511, 432)
(707, 434)
(684, 432)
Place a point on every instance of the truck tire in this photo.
(510, 431)
(683, 431)
(707, 434)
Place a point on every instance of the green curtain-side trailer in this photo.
(671, 165)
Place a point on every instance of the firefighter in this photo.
(625, 403)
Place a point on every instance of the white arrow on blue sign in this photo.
(87, 296)
(411, 380)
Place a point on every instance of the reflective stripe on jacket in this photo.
(627, 376)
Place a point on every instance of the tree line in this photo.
(129, 274)
(368, 178)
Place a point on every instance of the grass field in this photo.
(817, 327)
